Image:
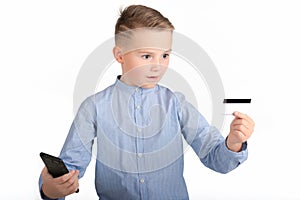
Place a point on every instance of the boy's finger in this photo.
(239, 121)
(44, 170)
(45, 173)
(243, 116)
(239, 115)
(74, 185)
(65, 178)
(240, 128)
(74, 178)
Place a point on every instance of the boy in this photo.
(139, 124)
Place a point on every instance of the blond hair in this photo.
(139, 16)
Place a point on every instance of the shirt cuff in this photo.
(241, 156)
(44, 196)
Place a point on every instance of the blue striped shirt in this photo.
(139, 136)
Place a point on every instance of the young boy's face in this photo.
(144, 57)
(145, 67)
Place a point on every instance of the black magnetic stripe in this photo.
(237, 101)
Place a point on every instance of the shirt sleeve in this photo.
(77, 149)
(207, 141)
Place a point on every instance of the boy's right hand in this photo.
(61, 186)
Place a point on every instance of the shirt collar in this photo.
(131, 89)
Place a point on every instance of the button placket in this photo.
(140, 155)
(138, 111)
(139, 129)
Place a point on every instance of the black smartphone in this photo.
(56, 167)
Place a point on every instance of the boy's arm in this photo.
(207, 141)
(77, 149)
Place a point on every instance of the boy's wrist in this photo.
(44, 196)
(235, 147)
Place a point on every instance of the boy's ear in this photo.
(117, 51)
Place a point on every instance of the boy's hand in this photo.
(61, 186)
(241, 129)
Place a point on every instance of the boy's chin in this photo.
(150, 85)
(149, 82)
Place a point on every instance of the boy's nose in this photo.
(155, 67)
(156, 61)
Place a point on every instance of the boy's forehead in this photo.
(144, 38)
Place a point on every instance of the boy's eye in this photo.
(165, 55)
(146, 56)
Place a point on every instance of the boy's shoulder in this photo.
(93, 98)
(105, 91)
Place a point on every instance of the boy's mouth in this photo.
(153, 78)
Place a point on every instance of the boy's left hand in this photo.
(241, 129)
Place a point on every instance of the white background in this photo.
(254, 44)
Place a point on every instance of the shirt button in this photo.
(140, 155)
(139, 130)
(142, 180)
(138, 107)
(137, 89)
